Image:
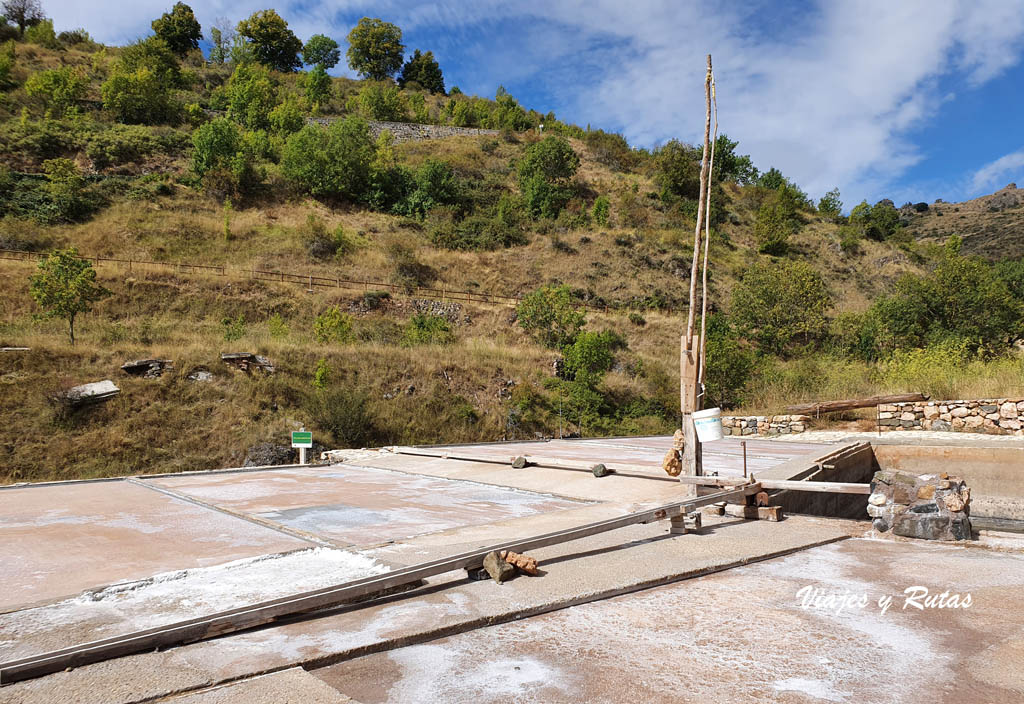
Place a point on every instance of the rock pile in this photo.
(248, 362)
(1002, 416)
(764, 425)
(147, 368)
(929, 506)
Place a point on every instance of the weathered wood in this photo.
(621, 468)
(268, 611)
(852, 403)
(827, 487)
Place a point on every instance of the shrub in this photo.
(434, 184)
(332, 325)
(6, 64)
(427, 330)
(330, 162)
(381, 101)
(277, 327)
(60, 88)
(544, 172)
(139, 96)
(610, 149)
(779, 303)
(287, 117)
(65, 185)
(729, 364)
(591, 355)
(602, 209)
(234, 328)
(550, 316)
(321, 375)
(677, 171)
(251, 96)
(830, 206)
(42, 34)
(322, 244)
(343, 414)
(637, 319)
(318, 86)
(221, 157)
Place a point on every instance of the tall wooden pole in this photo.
(689, 353)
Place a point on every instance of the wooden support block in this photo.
(692, 521)
(741, 511)
(715, 509)
(761, 498)
(769, 513)
(677, 525)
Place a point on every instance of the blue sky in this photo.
(907, 99)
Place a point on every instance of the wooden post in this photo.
(689, 360)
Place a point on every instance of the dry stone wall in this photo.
(413, 131)
(764, 425)
(997, 416)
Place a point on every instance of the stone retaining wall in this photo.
(413, 131)
(764, 425)
(999, 416)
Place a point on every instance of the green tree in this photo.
(830, 206)
(222, 158)
(154, 54)
(222, 36)
(550, 316)
(321, 51)
(139, 97)
(423, 70)
(318, 86)
(251, 96)
(602, 211)
(781, 302)
(6, 64)
(775, 224)
(677, 171)
(23, 13)
(64, 286)
(591, 355)
(330, 162)
(179, 29)
(772, 179)
(375, 49)
(880, 222)
(273, 44)
(60, 88)
(729, 364)
(65, 184)
(544, 173)
(730, 166)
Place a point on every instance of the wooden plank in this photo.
(851, 403)
(623, 468)
(265, 612)
(827, 487)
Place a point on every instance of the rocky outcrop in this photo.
(927, 506)
(147, 368)
(413, 131)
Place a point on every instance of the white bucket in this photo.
(708, 424)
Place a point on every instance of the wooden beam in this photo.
(246, 617)
(852, 403)
(827, 487)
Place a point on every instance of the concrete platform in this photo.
(57, 540)
(360, 506)
(740, 636)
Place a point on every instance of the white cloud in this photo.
(998, 173)
(828, 93)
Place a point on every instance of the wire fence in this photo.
(310, 281)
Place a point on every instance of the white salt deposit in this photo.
(175, 596)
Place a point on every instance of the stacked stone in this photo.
(764, 425)
(413, 131)
(929, 506)
(1002, 416)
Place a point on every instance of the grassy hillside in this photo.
(395, 377)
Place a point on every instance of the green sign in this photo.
(302, 438)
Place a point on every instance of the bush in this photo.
(434, 184)
(251, 96)
(42, 34)
(343, 414)
(677, 171)
(474, 233)
(550, 316)
(780, 303)
(332, 326)
(6, 63)
(610, 149)
(221, 157)
(321, 375)
(287, 117)
(381, 101)
(322, 244)
(332, 162)
(729, 364)
(139, 97)
(427, 330)
(602, 209)
(318, 86)
(544, 172)
(637, 319)
(234, 328)
(591, 355)
(60, 88)
(277, 327)
(66, 185)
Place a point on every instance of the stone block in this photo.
(941, 425)
(943, 409)
(958, 423)
(973, 422)
(990, 408)
(907, 416)
(931, 412)
(1008, 410)
(888, 422)
(885, 415)
(797, 427)
(887, 408)
(1010, 424)
(960, 412)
